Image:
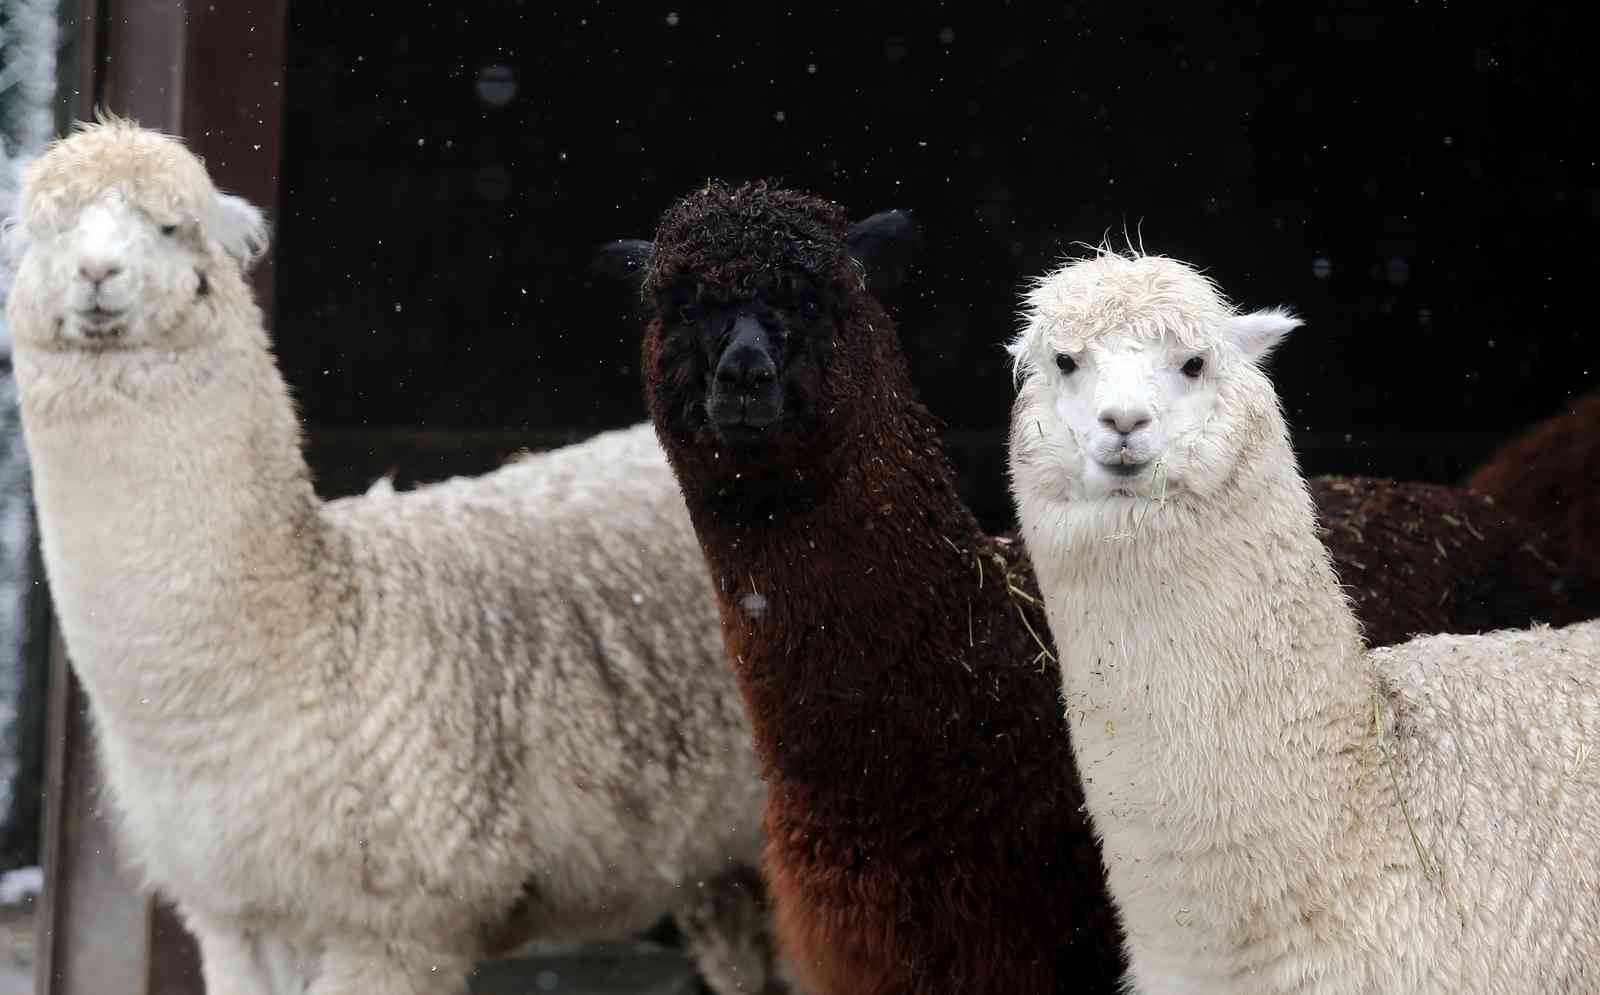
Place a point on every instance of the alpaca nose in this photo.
(746, 364)
(1125, 419)
(98, 270)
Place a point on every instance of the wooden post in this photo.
(93, 922)
(213, 73)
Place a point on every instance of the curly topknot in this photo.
(742, 237)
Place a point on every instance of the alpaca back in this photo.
(1283, 811)
(1495, 741)
(587, 662)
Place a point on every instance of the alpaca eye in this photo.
(169, 229)
(1065, 363)
(1192, 368)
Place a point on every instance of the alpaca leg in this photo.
(728, 934)
(390, 971)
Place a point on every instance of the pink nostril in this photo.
(98, 271)
(1124, 420)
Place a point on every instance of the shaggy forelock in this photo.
(740, 238)
(154, 170)
(1148, 296)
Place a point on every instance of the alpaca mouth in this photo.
(741, 434)
(1124, 469)
(743, 419)
(101, 323)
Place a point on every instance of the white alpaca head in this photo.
(1138, 379)
(120, 237)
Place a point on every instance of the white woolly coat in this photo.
(1281, 810)
(387, 719)
(360, 743)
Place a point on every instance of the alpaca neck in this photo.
(1221, 709)
(858, 689)
(177, 518)
(876, 508)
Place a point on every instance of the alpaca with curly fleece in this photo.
(1281, 809)
(360, 743)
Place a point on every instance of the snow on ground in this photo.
(18, 889)
(20, 885)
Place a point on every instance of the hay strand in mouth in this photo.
(1157, 497)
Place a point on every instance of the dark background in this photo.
(433, 248)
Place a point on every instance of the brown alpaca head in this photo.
(763, 344)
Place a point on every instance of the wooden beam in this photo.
(141, 71)
(92, 919)
(232, 104)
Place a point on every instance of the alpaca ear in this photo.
(625, 261)
(885, 245)
(1259, 332)
(240, 228)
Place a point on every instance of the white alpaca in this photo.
(360, 743)
(1281, 810)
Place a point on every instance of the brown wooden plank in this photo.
(232, 106)
(47, 952)
(85, 22)
(92, 918)
(141, 72)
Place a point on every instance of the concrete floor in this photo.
(640, 968)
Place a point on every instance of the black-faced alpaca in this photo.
(921, 835)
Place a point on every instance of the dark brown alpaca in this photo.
(1421, 558)
(925, 832)
(1550, 476)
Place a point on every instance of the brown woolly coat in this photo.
(1550, 476)
(921, 834)
(925, 823)
(1424, 558)
(925, 832)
